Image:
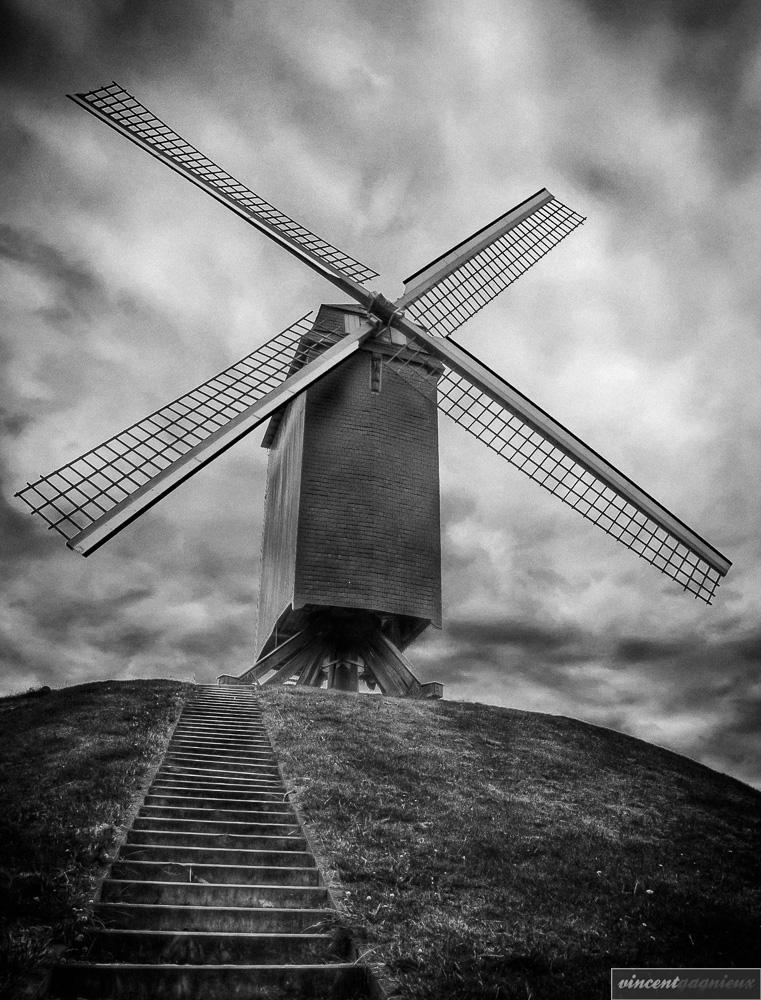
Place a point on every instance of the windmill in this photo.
(351, 549)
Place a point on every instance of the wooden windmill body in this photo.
(351, 552)
(351, 558)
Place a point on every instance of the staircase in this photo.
(215, 892)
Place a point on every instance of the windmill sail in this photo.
(119, 109)
(90, 499)
(455, 286)
(531, 440)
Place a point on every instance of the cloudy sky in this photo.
(394, 130)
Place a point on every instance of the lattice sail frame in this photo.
(447, 292)
(118, 108)
(82, 492)
(560, 473)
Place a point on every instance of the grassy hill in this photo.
(480, 852)
(489, 853)
(72, 762)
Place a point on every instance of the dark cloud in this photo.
(12, 654)
(22, 538)
(511, 632)
(12, 424)
(74, 281)
(712, 49)
(126, 642)
(140, 34)
(635, 650)
(217, 640)
(630, 16)
(70, 615)
(748, 648)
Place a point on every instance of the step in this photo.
(219, 743)
(205, 766)
(266, 759)
(203, 894)
(248, 919)
(210, 947)
(215, 788)
(165, 870)
(219, 800)
(194, 763)
(177, 769)
(258, 812)
(228, 777)
(224, 730)
(212, 735)
(209, 982)
(233, 841)
(212, 855)
(210, 826)
(200, 786)
(170, 776)
(222, 717)
(249, 731)
(226, 740)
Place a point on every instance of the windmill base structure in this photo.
(351, 552)
(351, 558)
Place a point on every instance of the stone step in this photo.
(204, 894)
(257, 812)
(222, 729)
(220, 799)
(209, 826)
(248, 919)
(220, 743)
(203, 768)
(225, 777)
(209, 982)
(212, 763)
(224, 742)
(237, 841)
(222, 735)
(210, 947)
(250, 730)
(198, 786)
(221, 717)
(213, 855)
(172, 776)
(194, 770)
(166, 870)
(244, 704)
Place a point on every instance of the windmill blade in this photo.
(529, 438)
(455, 286)
(116, 107)
(90, 499)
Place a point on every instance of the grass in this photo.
(490, 853)
(71, 764)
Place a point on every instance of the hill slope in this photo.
(71, 763)
(486, 852)
(481, 852)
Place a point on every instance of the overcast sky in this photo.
(394, 130)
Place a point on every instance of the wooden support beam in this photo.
(272, 661)
(398, 664)
(293, 664)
